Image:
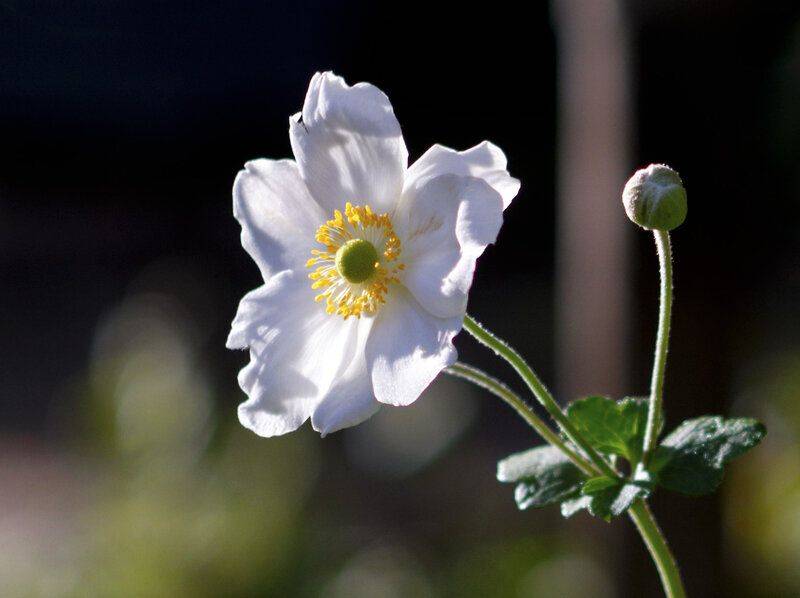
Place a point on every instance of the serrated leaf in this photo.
(544, 475)
(690, 460)
(572, 505)
(605, 497)
(597, 484)
(613, 428)
(615, 500)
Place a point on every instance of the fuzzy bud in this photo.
(655, 198)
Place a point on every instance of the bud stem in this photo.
(654, 415)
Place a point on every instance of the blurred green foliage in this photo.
(158, 491)
(174, 498)
(762, 501)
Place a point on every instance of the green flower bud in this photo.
(655, 199)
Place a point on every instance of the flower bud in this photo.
(655, 199)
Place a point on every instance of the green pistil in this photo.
(357, 260)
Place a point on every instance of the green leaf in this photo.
(614, 428)
(605, 497)
(544, 476)
(572, 505)
(612, 501)
(594, 485)
(690, 460)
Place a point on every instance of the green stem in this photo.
(497, 388)
(659, 549)
(654, 414)
(503, 350)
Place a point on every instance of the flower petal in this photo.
(267, 414)
(348, 144)
(446, 222)
(297, 351)
(407, 348)
(350, 400)
(485, 161)
(277, 213)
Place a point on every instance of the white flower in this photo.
(366, 262)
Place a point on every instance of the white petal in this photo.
(256, 311)
(277, 213)
(485, 161)
(297, 351)
(348, 144)
(445, 223)
(407, 348)
(350, 400)
(267, 414)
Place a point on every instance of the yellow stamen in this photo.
(359, 233)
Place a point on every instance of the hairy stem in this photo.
(539, 390)
(654, 413)
(500, 390)
(659, 549)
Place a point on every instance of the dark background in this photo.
(122, 126)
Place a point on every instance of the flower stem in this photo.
(640, 513)
(659, 549)
(654, 414)
(503, 350)
(497, 388)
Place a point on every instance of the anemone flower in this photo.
(366, 261)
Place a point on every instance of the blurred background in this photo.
(123, 469)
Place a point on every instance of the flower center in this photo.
(358, 262)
